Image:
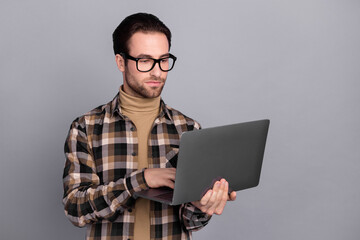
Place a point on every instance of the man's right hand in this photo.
(160, 177)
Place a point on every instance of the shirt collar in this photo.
(115, 108)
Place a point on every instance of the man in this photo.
(131, 144)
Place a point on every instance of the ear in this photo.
(120, 62)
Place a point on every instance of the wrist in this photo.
(144, 177)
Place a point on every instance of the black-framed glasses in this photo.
(146, 64)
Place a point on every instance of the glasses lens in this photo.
(166, 64)
(145, 64)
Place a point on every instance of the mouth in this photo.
(153, 83)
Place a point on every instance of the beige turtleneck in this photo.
(142, 112)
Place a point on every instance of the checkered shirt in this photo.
(101, 174)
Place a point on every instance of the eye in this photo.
(165, 60)
(144, 60)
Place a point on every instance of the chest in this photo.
(115, 147)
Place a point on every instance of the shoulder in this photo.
(181, 119)
(92, 117)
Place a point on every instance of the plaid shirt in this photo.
(101, 174)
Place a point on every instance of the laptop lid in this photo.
(234, 152)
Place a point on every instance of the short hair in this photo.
(138, 22)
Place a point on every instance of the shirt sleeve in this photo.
(193, 218)
(85, 199)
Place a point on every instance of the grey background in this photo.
(294, 62)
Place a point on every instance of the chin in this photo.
(155, 92)
(154, 95)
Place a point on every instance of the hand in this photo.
(160, 177)
(214, 200)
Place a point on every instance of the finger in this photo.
(213, 202)
(205, 199)
(198, 203)
(202, 203)
(167, 174)
(171, 170)
(172, 177)
(222, 200)
(232, 196)
(170, 173)
(170, 184)
(221, 195)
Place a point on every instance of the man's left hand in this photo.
(215, 199)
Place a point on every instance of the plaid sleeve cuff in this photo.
(135, 182)
(199, 215)
(194, 219)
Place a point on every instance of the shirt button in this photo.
(133, 154)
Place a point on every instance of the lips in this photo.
(154, 83)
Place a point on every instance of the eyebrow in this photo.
(149, 56)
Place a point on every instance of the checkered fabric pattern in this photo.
(101, 174)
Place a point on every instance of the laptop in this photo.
(234, 152)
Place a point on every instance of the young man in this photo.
(131, 144)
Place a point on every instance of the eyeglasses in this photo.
(147, 64)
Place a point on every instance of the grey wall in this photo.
(294, 62)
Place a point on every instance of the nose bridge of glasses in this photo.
(157, 61)
(156, 65)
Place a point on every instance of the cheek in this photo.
(131, 68)
(132, 72)
(164, 75)
(137, 77)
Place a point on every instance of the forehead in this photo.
(154, 44)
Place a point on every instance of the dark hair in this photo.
(138, 22)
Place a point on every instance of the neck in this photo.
(138, 104)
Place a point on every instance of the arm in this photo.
(85, 199)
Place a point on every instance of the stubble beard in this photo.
(141, 89)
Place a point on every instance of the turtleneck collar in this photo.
(137, 104)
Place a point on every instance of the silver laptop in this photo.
(234, 152)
